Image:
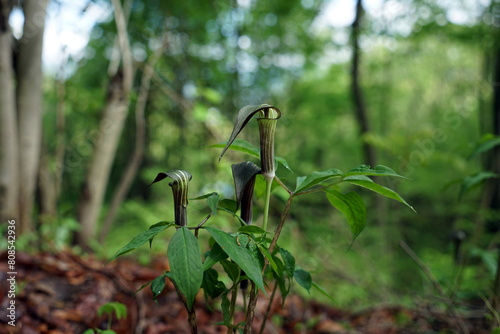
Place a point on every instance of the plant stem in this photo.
(192, 321)
(251, 308)
(283, 218)
(268, 310)
(191, 313)
(253, 291)
(269, 182)
(233, 306)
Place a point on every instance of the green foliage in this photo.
(248, 254)
(428, 96)
(239, 254)
(117, 309)
(351, 205)
(185, 263)
(142, 238)
(110, 309)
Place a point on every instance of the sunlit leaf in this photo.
(351, 205)
(375, 171)
(251, 229)
(366, 182)
(185, 264)
(315, 178)
(240, 145)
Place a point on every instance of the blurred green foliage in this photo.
(428, 94)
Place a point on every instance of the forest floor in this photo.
(60, 293)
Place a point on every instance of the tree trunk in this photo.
(107, 138)
(8, 128)
(50, 179)
(495, 159)
(140, 140)
(29, 106)
(494, 184)
(357, 95)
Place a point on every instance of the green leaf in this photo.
(211, 284)
(162, 223)
(240, 145)
(239, 254)
(488, 142)
(284, 163)
(186, 267)
(323, 291)
(283, 280)
(244, 116)
(306, 182)
(375, 171)
(366, 182)
(142, 238)
(228, 205)
(232, 270)
(288, 261)
(303, 278)
(117, 308)
(474, 180)
(213, 203)
(212, 200)
(215, 255)
(251, 229)
(351, 205)
(157, 286)
(226, 313)
(496, 330)
(266, 253)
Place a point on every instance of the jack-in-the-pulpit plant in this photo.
(247, 252)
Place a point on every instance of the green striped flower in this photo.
(268, 116)
(179, 184)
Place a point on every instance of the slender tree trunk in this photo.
(49, 178)
(29, 105)
(494, 185)
(8, 126)
(140, 139)
(495, 159)
(107, 137)
(357, 95)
